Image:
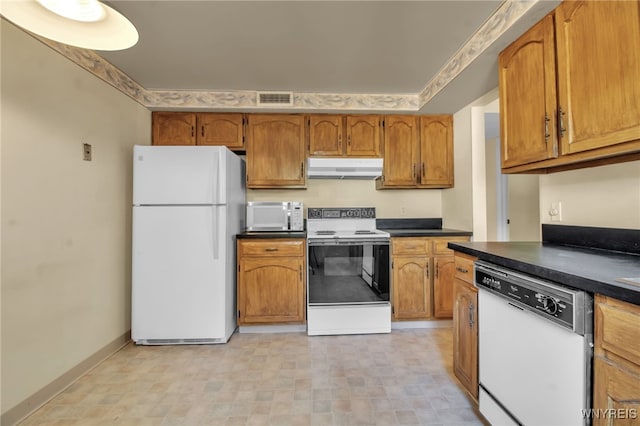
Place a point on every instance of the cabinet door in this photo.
(616, 393)
(465, 336)
(528, 97)
(411, 290)
(436, 150)
(271, 290)
(221, 129)
(598, 44)
(443, 286)
(363, 135)
(275, 151)
(400, 150)
(174, 128)
(325, 135)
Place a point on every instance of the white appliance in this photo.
(344, 168)
(188, 205)
(275, 216)
(348, 272)
(535, 349)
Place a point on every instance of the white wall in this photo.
(66, 223)
(606, 196)
(391, 203)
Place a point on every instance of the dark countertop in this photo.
(272, 234)
(426, 232)
(593, 270)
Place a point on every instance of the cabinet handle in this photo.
(349, 140)
(271, 249)
(202, 131)
(561, 127)
(340, 142)
(423, 169)
(300, 273)
(427, 269)
(459, 269)
(437, 267)
(414, 171)
(301, 169)
(546, 127)
(193, 131)
(470, 315)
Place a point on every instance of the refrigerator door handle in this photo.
(214, 233)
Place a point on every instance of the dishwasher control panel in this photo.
(559, 304)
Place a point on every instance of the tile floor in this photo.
(272, 379)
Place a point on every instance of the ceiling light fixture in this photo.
(89, 24)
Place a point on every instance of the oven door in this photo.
(348, 272)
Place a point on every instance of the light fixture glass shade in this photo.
(112, 32)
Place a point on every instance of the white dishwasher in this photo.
(535, 349)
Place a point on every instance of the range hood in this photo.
(344, 168)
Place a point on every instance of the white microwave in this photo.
(274, 216)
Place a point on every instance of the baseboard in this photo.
(399, 325)
(44, 395)
(284, 328)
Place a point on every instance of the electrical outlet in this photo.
(86, 152)
(555, 211)
(403, 210)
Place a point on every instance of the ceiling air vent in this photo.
(275, 98)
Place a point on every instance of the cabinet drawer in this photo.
(464, 267)
(402, 245)
(271, 247)
(617, 328)
(440, 245)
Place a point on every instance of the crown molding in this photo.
(497, 24)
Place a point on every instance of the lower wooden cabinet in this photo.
(422, 281)
(465, 325)
(271, 281)
(616, 384)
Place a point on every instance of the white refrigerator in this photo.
(188, 206)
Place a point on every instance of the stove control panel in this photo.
(341, 213)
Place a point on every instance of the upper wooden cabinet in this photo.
(418, 152)
(590, 52)
(275, 151)
(326, 133)
(436, 151)
(189, 128)
(363, 135)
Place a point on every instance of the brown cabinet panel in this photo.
(443, 286)
(528, 97)
(325, 135)
(221, 129)
(411, 246)
(616, 381)
(275, 151)
(400, 150)
(174, 128)
(598, 45)
(363, 135)
(436, 150)
(271, 281)
(411, 289)
(465, 336)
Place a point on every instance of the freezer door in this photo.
(179, 281)
(170, 175)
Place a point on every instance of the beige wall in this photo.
(359, 193)
(606, 196)
(66, 223)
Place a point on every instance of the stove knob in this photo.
(549, 304)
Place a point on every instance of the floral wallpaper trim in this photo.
(508, 13)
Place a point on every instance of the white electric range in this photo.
(348, 279)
